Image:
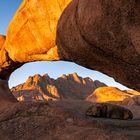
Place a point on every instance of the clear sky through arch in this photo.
(54, 69)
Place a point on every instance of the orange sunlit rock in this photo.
(2, 40)
(106, 94)
(32, 32)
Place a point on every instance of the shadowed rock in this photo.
(104, 36)
(5, 94)
(105, 110)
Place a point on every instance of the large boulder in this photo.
(104, 36)
(108, 94)
(31, 34)
(105, 110)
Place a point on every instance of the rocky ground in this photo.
(62, 120)
(63, 117)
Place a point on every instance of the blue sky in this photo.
(54, 69)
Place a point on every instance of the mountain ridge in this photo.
(70, 86)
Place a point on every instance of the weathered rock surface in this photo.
(40, 88)
(62, 121)
(31, 34)
(34, 35)
(135, 100)
(105, 110)
(7, 65)
(108, 94)
(129, 99)
(103, 35)
(2, 40)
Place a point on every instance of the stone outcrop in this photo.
(62, 121)
(31, 34)
(129, 99)
(110, 94)
(105, 110)
(43, 88)
(104, 36)
(135, 100)
(7, 65)
(7, 100)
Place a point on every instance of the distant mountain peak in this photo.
(67, 86)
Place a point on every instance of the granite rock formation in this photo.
(135, 100)
(31, 34)
(112, 94)
(35, 31)
(104, 36)
(105, 110)
(6, 96)
(109, 94)
(129, 99)
(43, 88)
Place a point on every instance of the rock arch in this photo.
(87, 34)
(103, 35)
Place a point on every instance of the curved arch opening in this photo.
(55, 69)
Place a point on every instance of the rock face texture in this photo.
(34, 35)
(40, 88)
(108, 94)
(135, 100)
(4, 92)
(105, 110)
(129, 99)
(31, 34)
(7, 65)
(62, 121)
(2, 40)
(103, 35)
